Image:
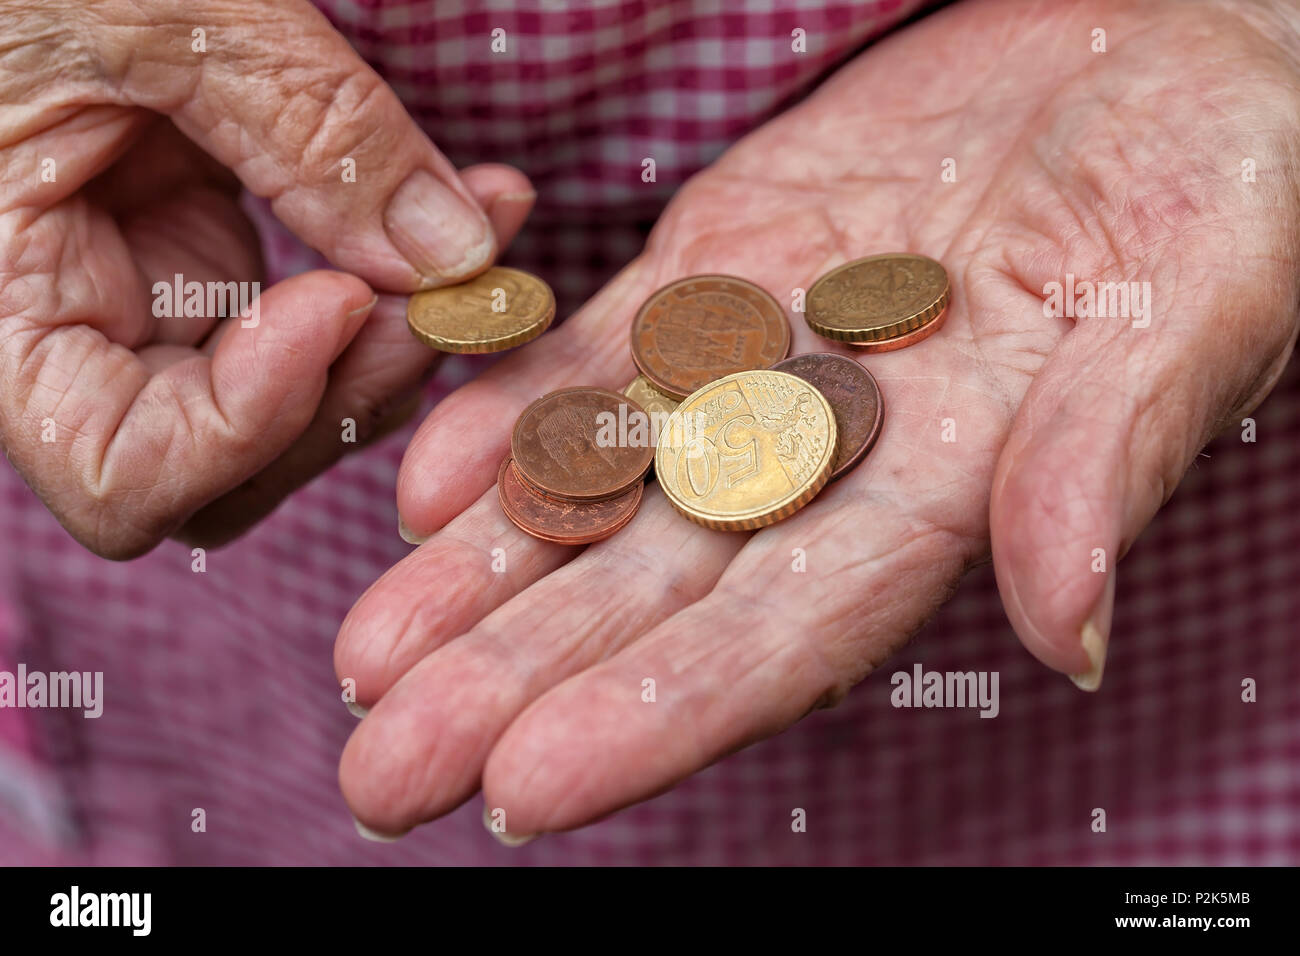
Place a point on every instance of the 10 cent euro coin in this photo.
(880, 303)
(491, 312)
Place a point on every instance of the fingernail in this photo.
(364, 309)
(375, 836)
(525, 198)
(508, 212)
(356, 709)
(409, 536)
(1094, 645)
(442, 236)
(505, 839)
(1095, 635)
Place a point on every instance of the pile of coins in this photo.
(563, 483)
(739, 435)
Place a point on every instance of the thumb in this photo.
(276, 94)
(1102, 437)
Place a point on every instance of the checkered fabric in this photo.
(220, 689)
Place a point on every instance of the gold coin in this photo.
(747, 450)
(650, 398)
(494, 311)
(878, 300)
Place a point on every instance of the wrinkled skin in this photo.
(198, 427)
(1122, 166)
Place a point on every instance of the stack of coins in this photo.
(880, 303)
(740, 436)
(569, 478)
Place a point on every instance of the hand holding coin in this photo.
(152, 384)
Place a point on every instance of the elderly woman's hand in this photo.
(1166, 164)
(126, 129)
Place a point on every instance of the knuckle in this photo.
(333, 120)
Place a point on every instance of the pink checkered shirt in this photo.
(219, 687)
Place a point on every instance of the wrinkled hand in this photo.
(122, 150)
(1122, 166)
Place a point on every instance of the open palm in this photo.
(1039, 440)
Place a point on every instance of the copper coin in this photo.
(854, 396)
(563, 522)
(582, 444)
(703, 328)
